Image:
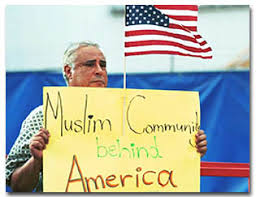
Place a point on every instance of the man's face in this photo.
(90, 68)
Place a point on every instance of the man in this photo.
(84, 65)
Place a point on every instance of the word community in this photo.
(139, 178)
(155, 127)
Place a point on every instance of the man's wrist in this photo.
(37, 164)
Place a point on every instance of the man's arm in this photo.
(25, 178)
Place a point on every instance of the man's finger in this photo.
(201, 132)
(202, 149)
(37, 145)
(44, 137)
(45, 131)
(200, 137)
(202, 143)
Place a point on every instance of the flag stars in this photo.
(141, 14)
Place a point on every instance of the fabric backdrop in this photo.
(225, 111)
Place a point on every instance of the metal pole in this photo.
(172, 64)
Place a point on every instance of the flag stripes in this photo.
(163, 38)
(166, 48)
(164, 42)
(165, 52)
(177, 7)
(143, 32)
(185, 14)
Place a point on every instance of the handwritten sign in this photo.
(115, 140)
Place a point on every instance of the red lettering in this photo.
(71, 172)
(137, 176)
(172, 180)
(95, 182)
(159, 180)
(143, 178)
(109, 179)
(169, 178)
(123, 178)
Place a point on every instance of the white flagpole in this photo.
(172, 63)
(124, 83)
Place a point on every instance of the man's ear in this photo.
(68, 71)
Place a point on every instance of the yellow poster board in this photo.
(116, 140)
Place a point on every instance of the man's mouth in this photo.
(98, 81)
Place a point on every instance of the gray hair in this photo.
(70, 54)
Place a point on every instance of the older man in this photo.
(84, 65)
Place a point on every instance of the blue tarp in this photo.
(225, 111)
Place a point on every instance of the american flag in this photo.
(164, 29)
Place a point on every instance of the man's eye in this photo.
(103, 64)
(89, 64)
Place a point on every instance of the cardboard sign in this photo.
(115, 140)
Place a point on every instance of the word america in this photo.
(164, 178)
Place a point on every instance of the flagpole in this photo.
(124, 82)
(124, 96)
(172, 63)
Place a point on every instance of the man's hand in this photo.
(25, 178)
(201, 142)
(38, 143)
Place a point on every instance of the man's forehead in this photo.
(90, 53)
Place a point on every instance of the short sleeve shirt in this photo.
(20, 153)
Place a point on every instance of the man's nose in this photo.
(98, 69)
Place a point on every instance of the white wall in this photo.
(36, 37)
